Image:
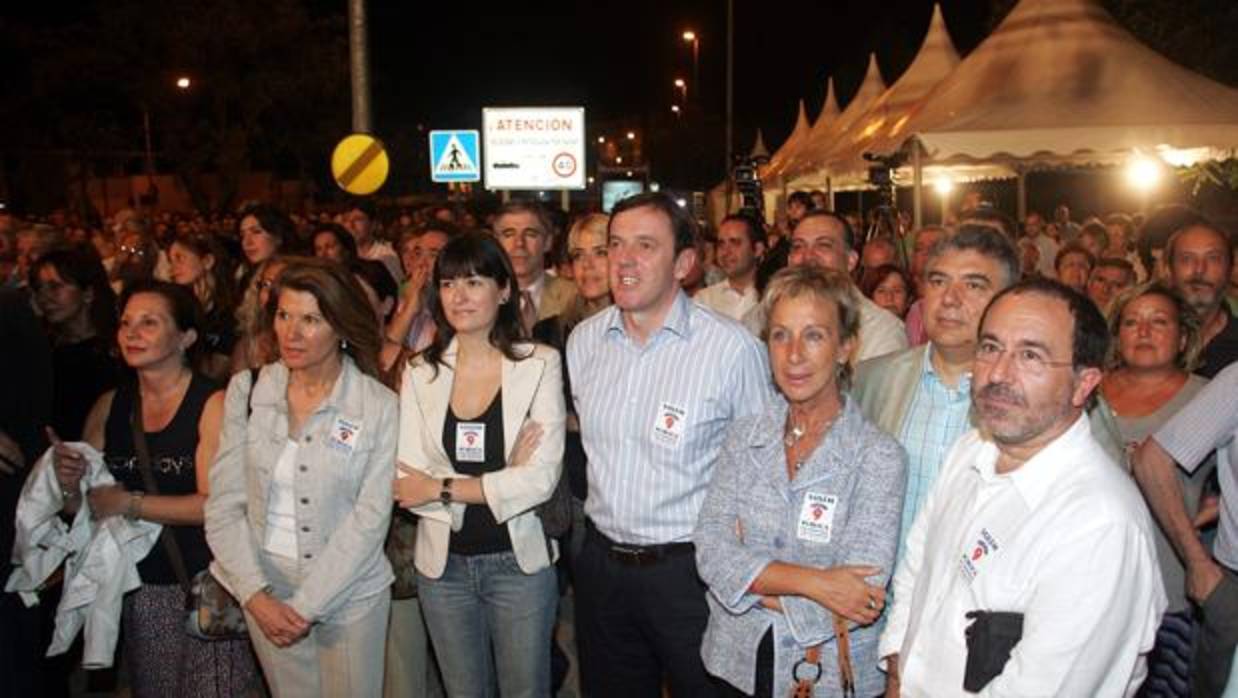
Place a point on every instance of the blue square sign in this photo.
(455, 156)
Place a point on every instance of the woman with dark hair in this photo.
(890, 287)
(264, 231)
(301, 490)
(481, 445)
(331, 241)
(1156, 347)
(200, 263)
(179, 411)
(72, 292)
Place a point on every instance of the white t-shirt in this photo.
(281, 532)
(1065, 539)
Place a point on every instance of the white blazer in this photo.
(532, 389)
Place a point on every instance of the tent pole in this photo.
(917, 182)
(1022, 204)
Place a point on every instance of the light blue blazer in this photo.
(863, 470)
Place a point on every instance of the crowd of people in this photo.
(821, 457)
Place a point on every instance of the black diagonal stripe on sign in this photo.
(353, 171)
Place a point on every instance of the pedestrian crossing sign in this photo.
(454, 156)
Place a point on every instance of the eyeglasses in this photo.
(1028, 360)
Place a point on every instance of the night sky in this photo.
(441, 64)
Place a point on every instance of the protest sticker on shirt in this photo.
(344, 435)
(471, 442)
(816, 523)
(977, 554)
(668, 425)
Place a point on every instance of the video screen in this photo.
(616, 190)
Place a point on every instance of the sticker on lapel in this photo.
(471, 442)
(668, 425)
(344, 434)
(816, 524)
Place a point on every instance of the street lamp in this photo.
(675, 109)
(691, 37)
(182, 83)
(631, 136)
(683, 89)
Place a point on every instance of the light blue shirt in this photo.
(936, 418)
(652, 416)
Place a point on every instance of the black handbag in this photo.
(991, 637)
(401, 541)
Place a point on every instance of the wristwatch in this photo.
(444, 494)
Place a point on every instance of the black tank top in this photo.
(172, 452)
(480, 533)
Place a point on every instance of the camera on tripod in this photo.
(747, 180)
(881, 174)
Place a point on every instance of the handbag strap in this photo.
(803, 686)
(170, 546)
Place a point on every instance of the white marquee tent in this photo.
(824, 133)
(843, 163)
(1059, 82)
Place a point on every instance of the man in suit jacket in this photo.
(524, 230)
(921, 395)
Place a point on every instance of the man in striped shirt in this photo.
(921, 395)
(656, 380)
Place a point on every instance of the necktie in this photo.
(528, 312)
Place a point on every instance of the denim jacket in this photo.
(751, 517)
(345, 465)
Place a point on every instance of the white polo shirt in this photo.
(1065, 539)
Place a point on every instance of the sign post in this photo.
(454, 156)
(359, 164)
(539, 148)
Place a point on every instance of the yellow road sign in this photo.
(359, 164)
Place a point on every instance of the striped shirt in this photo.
(652, 416)
(1209, 423)
(935, 419)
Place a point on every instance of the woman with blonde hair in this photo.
(797, 535)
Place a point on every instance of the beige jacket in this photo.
(532, 389)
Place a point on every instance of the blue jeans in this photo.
(484, 614)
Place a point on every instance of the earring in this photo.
(343, 344)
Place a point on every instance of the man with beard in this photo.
(741, 242)
(1032, 534)
(1199, 258)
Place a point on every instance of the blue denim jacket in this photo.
(342, 486)
(856, 463)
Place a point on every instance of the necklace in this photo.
(795, 433)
